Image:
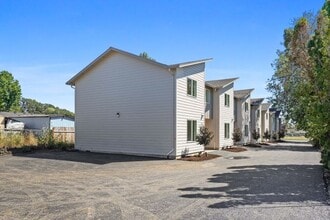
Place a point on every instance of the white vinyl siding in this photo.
(188, 108)
(140, 92)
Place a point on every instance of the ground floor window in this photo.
(227, 130)
(246, 130)
(191, 130)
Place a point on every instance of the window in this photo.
(192, 87)
(191, 130)
(246, 130)
(246, 106)
(207, 96)
(266, 116)
(227, 130)
(258, 113)
(227, 102)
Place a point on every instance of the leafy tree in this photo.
(205, 136)
(237, 135)
(301, 82)
(145, 55)
(34, 107)
(10, 92)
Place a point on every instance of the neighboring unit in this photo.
(265, 126)
(242, 113)
(132, 105)
(219, 111)
(275, 123)
(256, 117)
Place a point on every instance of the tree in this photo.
(10, 92)
(205, 136)
(34, 107)
(301, 82)
(145, 55)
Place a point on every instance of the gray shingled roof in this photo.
(220, 83)
(265, 106)
(242, 93)
(256, 101)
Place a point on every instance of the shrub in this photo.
(255, 135)
(46, 139)
(237, 135)
(205, 136)
(266, 135)
(274, 136)
(281, 134)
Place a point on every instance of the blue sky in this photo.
(44, 43)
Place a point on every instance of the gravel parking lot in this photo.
(281, 181)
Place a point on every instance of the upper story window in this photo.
(266, 116)
(192, 87)
(227, 100)
(258, 113)
(207, 96)
(246, 106)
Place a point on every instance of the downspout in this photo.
(174, 117)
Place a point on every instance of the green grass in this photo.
(295, 138)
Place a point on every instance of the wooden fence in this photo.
(64, 134)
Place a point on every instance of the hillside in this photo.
(34, 107)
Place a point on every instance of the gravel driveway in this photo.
(282, 181)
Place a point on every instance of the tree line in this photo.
(300, 85)
(11, 99)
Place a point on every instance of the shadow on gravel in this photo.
(263, 184)
(83, 157)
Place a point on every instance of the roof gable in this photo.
(265, 106)
(220, 83)
(115, 50)
(257, 101)
(242, 93)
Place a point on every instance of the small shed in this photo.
(36, 121)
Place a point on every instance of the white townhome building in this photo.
(275, 123)
(265, 124)
(256, 116)
(132, 105)
(219, 111)
(242, 113)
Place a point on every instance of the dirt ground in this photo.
(279, 181)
